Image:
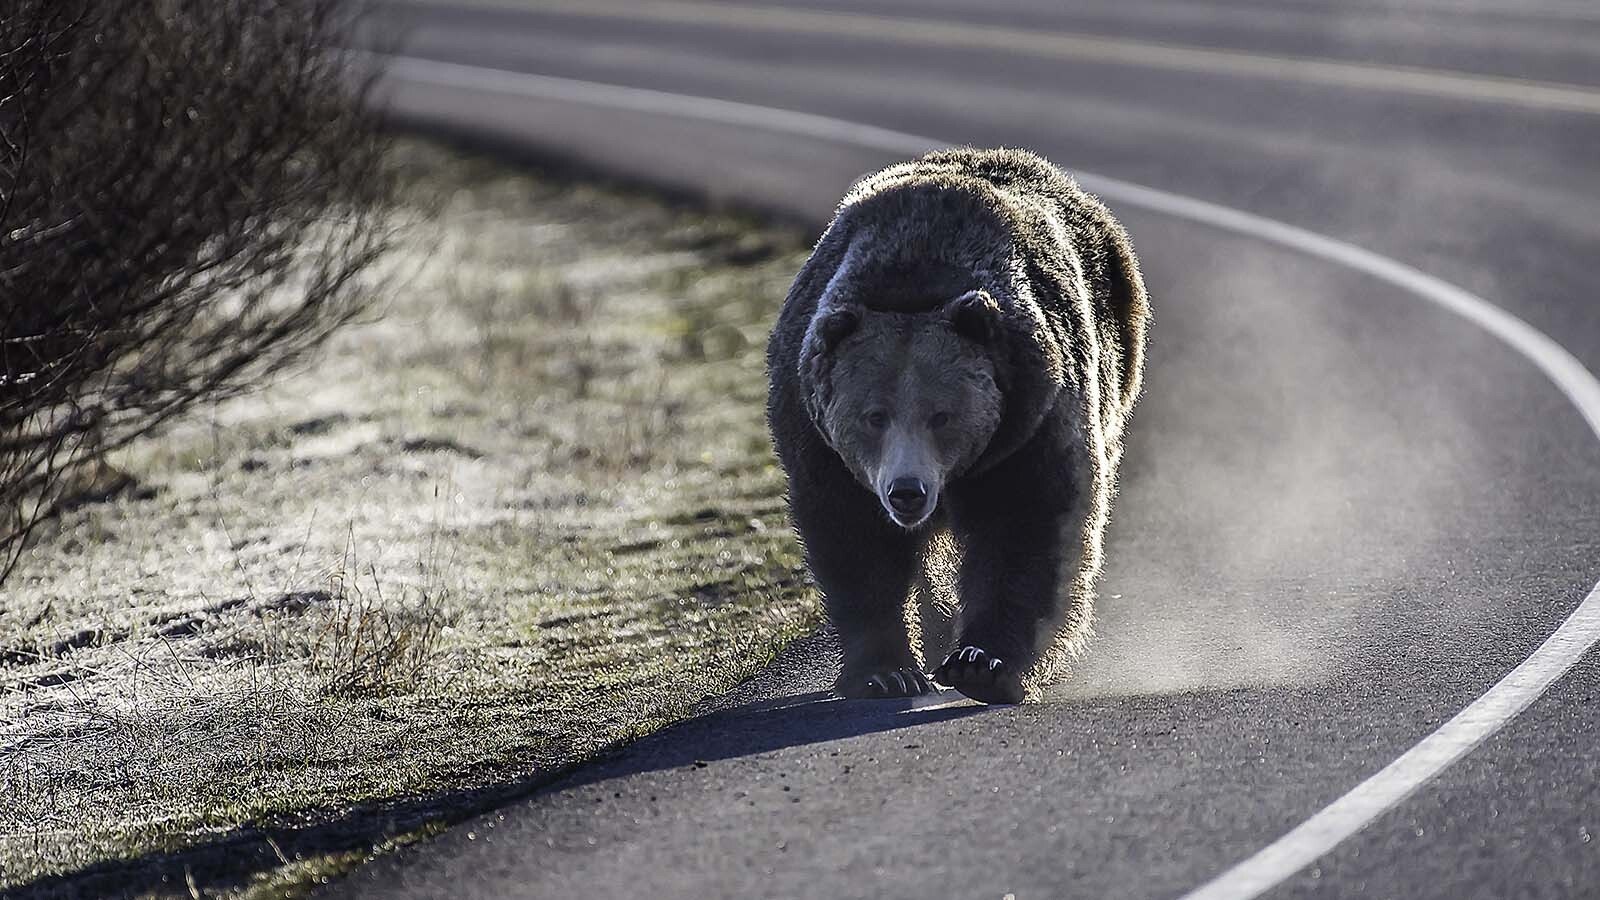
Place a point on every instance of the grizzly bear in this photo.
(950, 375)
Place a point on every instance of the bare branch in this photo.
(190, 195)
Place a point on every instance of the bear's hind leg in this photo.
(934, 590)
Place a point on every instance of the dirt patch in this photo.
(528, 511)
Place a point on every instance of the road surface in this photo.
(1355, 498)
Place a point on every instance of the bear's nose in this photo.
(907, 495)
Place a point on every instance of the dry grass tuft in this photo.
(369, 642)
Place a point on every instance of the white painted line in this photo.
(1480, 719)
(1087, 48)
(685, 106)
(1545, 10)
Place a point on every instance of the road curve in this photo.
(1346, 512)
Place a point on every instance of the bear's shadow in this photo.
(786, 705)
(766, 726)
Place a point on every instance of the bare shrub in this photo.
(189, 195)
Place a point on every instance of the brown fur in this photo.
(986, 286)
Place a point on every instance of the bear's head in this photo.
(908, 400)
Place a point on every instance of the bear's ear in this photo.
(974, 315)
(828, 327)
(833, 326)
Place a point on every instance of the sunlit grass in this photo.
(526, 512)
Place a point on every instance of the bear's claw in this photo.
(904, 681)
(980, 676)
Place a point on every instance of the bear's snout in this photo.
(908, 495)
(909, 500)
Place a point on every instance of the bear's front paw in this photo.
(904, 681)
(985, 678)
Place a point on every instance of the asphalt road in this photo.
(1346, 512)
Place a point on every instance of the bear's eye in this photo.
(877, 418)
(939, 420)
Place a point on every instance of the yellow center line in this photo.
(1079, 47)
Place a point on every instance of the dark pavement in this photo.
(1345, 512)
